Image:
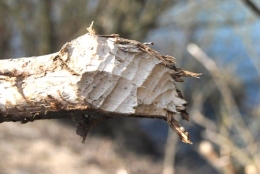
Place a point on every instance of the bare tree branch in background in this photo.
(131, 19)
(231, 117)
(252, 6)
(169, 153)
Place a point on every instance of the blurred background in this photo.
(220, 39)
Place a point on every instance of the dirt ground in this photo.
(50, 146)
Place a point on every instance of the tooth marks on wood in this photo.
(108, 74)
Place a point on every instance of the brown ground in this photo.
(52, 147)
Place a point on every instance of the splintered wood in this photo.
(113, 76)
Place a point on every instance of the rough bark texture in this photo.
(90, 79)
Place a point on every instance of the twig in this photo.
(252, 6)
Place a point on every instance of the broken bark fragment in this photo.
(93, 78)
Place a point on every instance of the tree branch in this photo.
(93, 78)
(252, 6)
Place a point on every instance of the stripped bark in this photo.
(93, 78)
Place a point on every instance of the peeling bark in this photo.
(93, 78)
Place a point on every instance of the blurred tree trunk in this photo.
(5, 34)
(46, 28)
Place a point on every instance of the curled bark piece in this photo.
(180, 130)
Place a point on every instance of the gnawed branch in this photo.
(94, 78)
